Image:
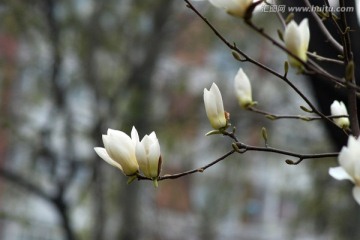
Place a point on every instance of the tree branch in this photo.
(273, 116)
(247, 58)
(324, 30)
(197, 170)
(24, 184)
(242, 148)
(349, 73)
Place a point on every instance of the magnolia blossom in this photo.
(296, 38)
(236, 8)
(339, 108)
(349, 160)
(243, 89)
(119, 150)
(214, 107)
(148, 155)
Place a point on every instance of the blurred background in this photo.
(71, 69)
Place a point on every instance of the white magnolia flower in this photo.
(349, 160)
(119, 150)
(339, 108)
(236, 8)
(243, 89)
(296, 38)
(214, 107)
(148, 155)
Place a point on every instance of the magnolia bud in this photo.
(214, 107)
(148, 156)
(339, 108)
(243, 89)
(296, 38)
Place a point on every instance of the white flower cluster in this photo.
(130, 155)
(214, 107)
(133, 156)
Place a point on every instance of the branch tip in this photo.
(290, 162)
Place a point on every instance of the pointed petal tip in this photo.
(339, 173)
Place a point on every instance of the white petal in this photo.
(122, 138)
(142, 159)
(134, 135)
(218, 99)
(243, 88)
(121, 149)
(305, 33)
(117, 150)
(343, 109)
(152, 136)
(353, 143)
(340, 174)
(292, 37)
(339, 108)
(106, 141)
(120, 152)
(214, 107)
(210, 108)
(356, 194)
(335, 108)
(147, 141)
(154, 150)
(105, 156)
(210, 105)
(346, 160)
(140, 153)
(349, 157)
(154, 156)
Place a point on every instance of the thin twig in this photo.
(197, 170)
(273, 116)
(244, 148)
(321, 58)
(309, 66)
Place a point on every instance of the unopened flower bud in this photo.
(243, 89)
(296, 38)
(148, 156)
(214, 107)
(339, 108)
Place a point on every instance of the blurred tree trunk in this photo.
(139, 83)
(8, 52)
